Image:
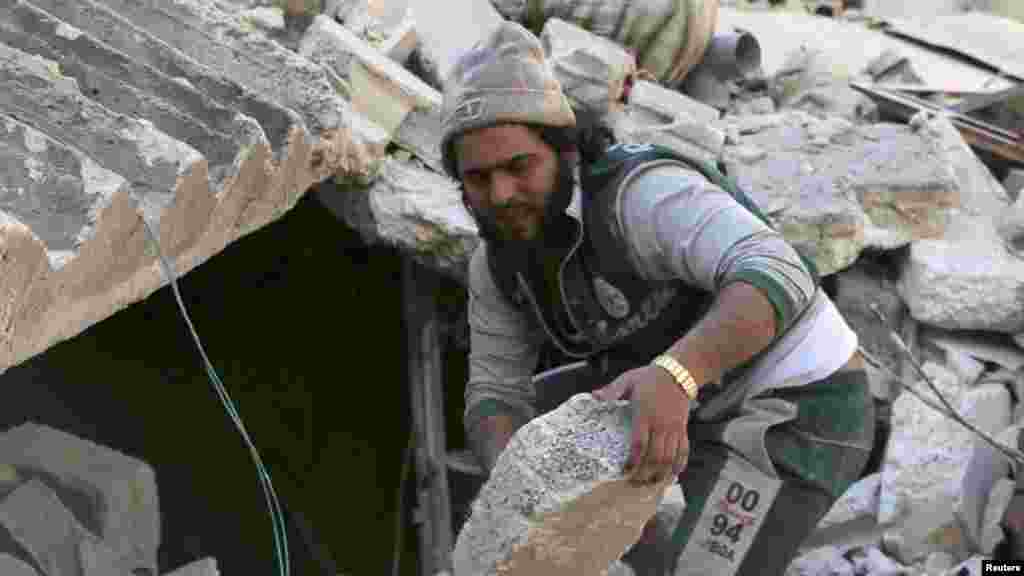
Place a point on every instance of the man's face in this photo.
(508, 173)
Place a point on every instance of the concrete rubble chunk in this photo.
(964, 286)
(939, 562)
(204, 567)
(834, 188)
(810, 82)
(57, 191)
(381, 89)
(592, 70)
(928, 454)
(36, 518)
(267, 17)
(123, 89)
(892, 66)
(557, 497)
(97, 559)
(991, 531)
(446, 34)
(11, 566)
(112, 495)
(410, 207)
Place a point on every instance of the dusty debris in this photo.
(593, 71)
(833, 188)
(810, 81)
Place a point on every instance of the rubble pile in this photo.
(207, 120)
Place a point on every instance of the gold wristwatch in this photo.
(681, 374)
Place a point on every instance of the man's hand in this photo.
(661, 409)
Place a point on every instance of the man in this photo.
(741, 374)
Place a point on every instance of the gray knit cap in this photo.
(503, 78)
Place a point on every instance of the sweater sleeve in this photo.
(504, 350)
(680, 225)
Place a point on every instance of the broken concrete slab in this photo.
(968, 285)
(557, 497)
(11, 566)
(216, 38)
(985, 466)
(380, 88)
(204, 567)
(151, 161)
(36, 519)
(593, 71)
(446, 34)
(410, 207)
(927, 452)
(113, 495)
(991, 530)
(132, 44)
(833, 188)
(126, 87)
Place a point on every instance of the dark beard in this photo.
(554, 213)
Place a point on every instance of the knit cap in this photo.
(504, 78)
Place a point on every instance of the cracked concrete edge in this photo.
(40, 306)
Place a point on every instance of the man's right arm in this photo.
(503, 355)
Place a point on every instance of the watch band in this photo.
(679, 373)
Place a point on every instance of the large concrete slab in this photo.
(446, 34)
(112, 495)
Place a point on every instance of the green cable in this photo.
(276, 515)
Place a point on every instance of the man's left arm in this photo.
(679, 225)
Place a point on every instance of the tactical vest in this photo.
(617, 320)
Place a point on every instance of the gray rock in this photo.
(833, 188)
(968, 285)
(410, 207)
(111, 494)
(592, 70)
(557, 497)
(445, 34)
(811, 83)
(36, 518)
(927, 452)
